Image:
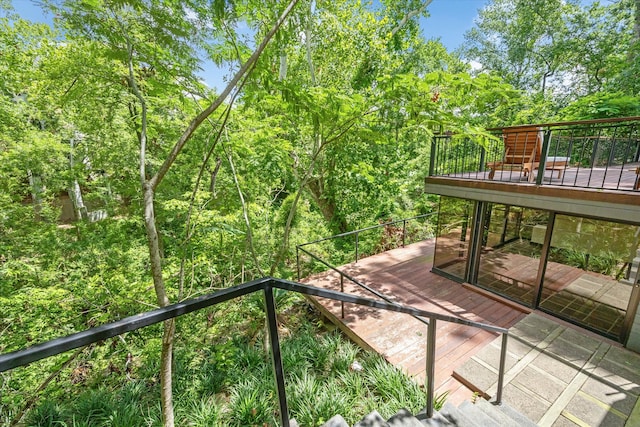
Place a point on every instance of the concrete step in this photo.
(473, 412)
(457, 417)
(373, 419)
(335, 421)
(404, 418)
(479, 414)
(520, 419)
(500, 418)
(484, 414)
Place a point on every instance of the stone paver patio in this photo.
(559, 376)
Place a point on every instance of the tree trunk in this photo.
(166, 357)
(166, 371)
(636, 26)
(327, 206)
(36, 190)
(75, 194)
(149, 186)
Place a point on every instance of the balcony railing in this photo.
(399, 237)
(267, 285)
(599, 154)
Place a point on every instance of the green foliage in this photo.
(602, 105)
(558, 52)
(334, 127)
(229, 381)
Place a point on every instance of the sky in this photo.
(448, 21)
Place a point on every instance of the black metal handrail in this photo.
(357, 233)
(595, 154)
(344, 275)
(23, 357)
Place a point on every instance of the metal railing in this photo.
(356, 233)
(266, 285)
(597, 154)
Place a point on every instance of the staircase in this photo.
(468, 414)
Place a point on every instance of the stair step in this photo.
(404, 418)
(520, 419)
(437, 420)
(373, 419)
(336, 421)
(456, 416)
(501, 419)
(478, 415)
(482, 413)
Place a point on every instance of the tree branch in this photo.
(197, 121)
(409, 15)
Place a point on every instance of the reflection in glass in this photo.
(511, 247)
(452, 239)
(587, 279)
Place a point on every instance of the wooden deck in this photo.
(405, 275)
(623, 178)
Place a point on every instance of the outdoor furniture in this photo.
(558, 164)
(636, 185)
(522, 151)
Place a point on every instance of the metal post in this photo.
(503, 358)
(357, 247)
(404, 231)
(431, 362)
(276, 357)
(298, 261)
(342, 290)
(543, 157)
(432, 156)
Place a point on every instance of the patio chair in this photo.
(522, 149)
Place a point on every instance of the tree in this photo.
(555, 51)
(521, 40)
(155, 50)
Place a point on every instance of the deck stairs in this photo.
(480, 413)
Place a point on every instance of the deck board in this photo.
(617, 177)
(405, 275)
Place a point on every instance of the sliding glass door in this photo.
(510, 255)
(587, 277)
(455, 221)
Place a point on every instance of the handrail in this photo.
(60, 345)
(357, 232)
(356, 281)
(575, 122)
(599, 154)
(360, 230)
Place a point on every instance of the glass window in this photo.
(587, 279)
(511, 247)
(452, 239)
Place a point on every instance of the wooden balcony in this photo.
(588, 166)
